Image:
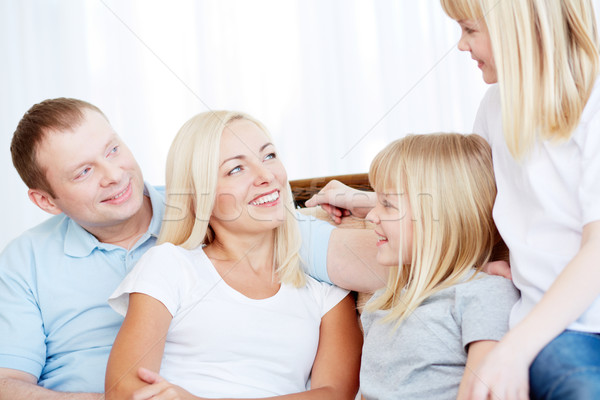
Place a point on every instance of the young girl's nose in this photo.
(372, 217)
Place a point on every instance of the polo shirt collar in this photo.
(81, 243)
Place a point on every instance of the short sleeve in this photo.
(589, 189)
(21, 325)
(315, 241)
(326, 295)
(484, 305)
(159, 273)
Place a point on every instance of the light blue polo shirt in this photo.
(55, 279)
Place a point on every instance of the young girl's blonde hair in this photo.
(449, 181)
(546, 56)
(191, 182)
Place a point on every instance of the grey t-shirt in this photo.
(426, 356)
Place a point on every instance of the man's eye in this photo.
(84, 173)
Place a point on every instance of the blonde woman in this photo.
(221, 307)
(439, 312)
(542, 120)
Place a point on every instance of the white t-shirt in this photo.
(544, 201)
(222, 343)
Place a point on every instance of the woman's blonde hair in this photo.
(547, 60)
(191, 182)
(449, 181)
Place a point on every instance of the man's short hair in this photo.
(61, 114)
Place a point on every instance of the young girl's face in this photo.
(250, 181)
(475, 39)
(393, 226)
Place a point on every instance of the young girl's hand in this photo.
(159, 388)
(340, 201)
(503, 374)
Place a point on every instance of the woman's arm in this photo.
(335, 370)
(140, 343)
(505, 370)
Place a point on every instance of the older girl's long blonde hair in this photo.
(191, 181)
(547, 60)
(449, 181)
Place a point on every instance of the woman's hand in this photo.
(340, 201)
(159, 388)
(503, 374)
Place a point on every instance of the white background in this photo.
(333, 80)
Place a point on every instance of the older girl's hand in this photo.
(502, 375)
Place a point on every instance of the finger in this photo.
(149, 376)
(479, 391)
(312, 202)
(150, 391)
(332, 210)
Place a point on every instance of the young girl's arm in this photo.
(335, 370)
(505, 371)
(140, 343)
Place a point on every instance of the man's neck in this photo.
(127, 233)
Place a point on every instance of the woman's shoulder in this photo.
(324, 294)
(167, 250)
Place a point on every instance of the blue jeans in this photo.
(567, 368)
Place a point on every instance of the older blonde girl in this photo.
(542, 120)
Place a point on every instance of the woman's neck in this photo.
(256, 249)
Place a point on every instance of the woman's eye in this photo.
(114, 150)
(270, 156)
(235, 170)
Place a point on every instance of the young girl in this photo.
(542, 121)
(439, 313)
(221, 306)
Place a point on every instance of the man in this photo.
(56, 326)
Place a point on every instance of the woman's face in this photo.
(394, 228)
(250, 183)
(475, 39)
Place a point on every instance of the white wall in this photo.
(334, 80)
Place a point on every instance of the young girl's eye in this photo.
(270, 156)
(235, 170)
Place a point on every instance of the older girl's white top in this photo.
(544, 201)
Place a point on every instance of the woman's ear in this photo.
(44, 201)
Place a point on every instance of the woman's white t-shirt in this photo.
(544, 201)
(220, 342)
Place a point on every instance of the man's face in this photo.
(96, 180)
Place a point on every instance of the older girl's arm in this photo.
(505, 371)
